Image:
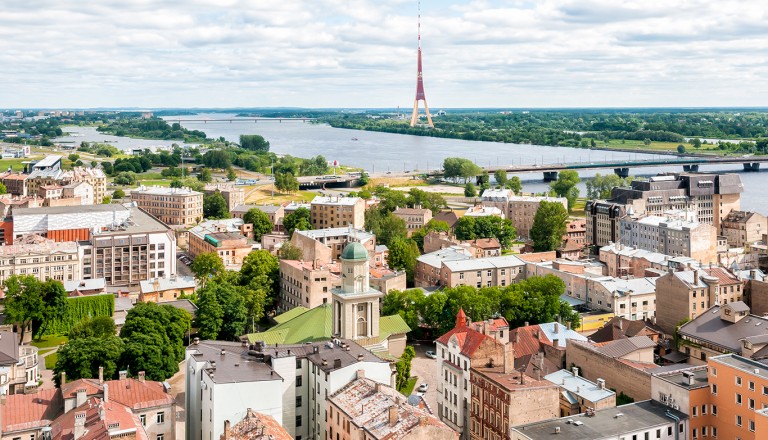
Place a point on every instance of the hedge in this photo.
(80, 309)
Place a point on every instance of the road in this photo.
(426, 370)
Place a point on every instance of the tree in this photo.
(696, 142)
(206, 265)
(548, 226)
(469, 190)
(231, 174)
(209, 315)
(432, 225)
(403, 253)
(125, 178)
(23, 301)
(228, 304)
(73, 157)
(403, 367)
(118, 194)
(565, 186)
(600, 187)
(217, 159)
(81, 358)
(55, 304)
(214, 206)
(289, 252)
(405, 303)
(515, 185)
(98, 327)
(3, 189)
(500, 177)
(286, 182)
(205, 175)
(167, 325)
(254, 142)
(646, 142)
(471, 228)
(681, 149)
(106, 200)
(298, 219)
(465, 228)
(260, 221)
(385, 225)
(457, 167)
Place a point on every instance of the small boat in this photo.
(354, 139)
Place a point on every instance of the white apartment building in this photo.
(671, 236)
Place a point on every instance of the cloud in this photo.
(486, 53)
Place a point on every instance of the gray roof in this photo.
(9, 348)
(753, 367)
(161, 284)
(483, 263)
(605, 424)
(676, 376)
(267, 209)
(234, 366)
(738, 306)
(453, 253)
(710, 328)
(91, 284)
(579, 386)
(183, 304)
(555, 330)
(622, 347)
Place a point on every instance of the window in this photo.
(738, 420)
(751, 386)
(143, 419)
(752, 425)
(751, 403)
(298, 401)
(658, 433)
(714, 388)
(160, 436)
(714, 371)
(695, 433)
(714, 410)
(738, 381)
(161, 417)
(298, 381)
(703, 410)
(738, 399)
(714, 431)
(298, 421)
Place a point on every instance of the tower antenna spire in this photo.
(420, 95)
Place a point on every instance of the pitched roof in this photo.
(137, 394)
(29, 411)
(468, 340)
(623, 347)
(91, 387)
(392, 325)
(710, 328)
(9, 348)
(529, 338)
(101, 417)
(257, 426)
(622, 328)
(290, 314)
(449, 217)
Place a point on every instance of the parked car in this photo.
(431, 354)
(423, 387)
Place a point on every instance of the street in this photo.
(425, 369)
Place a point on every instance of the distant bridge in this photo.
(621, 167)
(323, 182)
(231, 120)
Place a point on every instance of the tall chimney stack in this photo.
(101, 375)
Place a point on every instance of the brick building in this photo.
(337, 212)
(173, 206)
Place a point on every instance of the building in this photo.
(708, 197)
(484, 247)
(227, 238)
(484, 211)
(578, 395)
(326, 245)
(25, 416)
(449, 217)
(636, 421)
(482, 272)
(456, 351)
(289, 383)
(337, 212)
(687, 294)
(19, 370)
(686, 390)
(671, 237)
(627, 261)
(521, 210)
(15, 183)
(305, 283)
(173, 206)
(427, 272)
(255, 426)
(161, 290)
(371, 410)
(739, 397)
(414, 218)
(276, 214)
(233, 195)
(549, 339)
(621, 328)
(41, 177)
(576, 232)
(625, 365)
(41, 258)
(742, 228)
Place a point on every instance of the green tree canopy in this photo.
(549, 226)
(500, 176)
(457, 167)
(515, 185)
(82, 357)
(286, 182)
(260, 221)
(565, 186)
(470, 190)
(254, 142)
(214, 206)
(403, 253)
(209, 315)
(207, 265)
(299, 219)
(289, 252)
(491, 226)
(24, 301)
(98, 327)
(385, 225)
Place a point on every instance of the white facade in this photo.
(454, 388)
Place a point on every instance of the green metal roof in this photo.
(392, 325)
(354, 251)
(290, 314)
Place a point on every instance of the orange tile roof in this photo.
(528, 343)
(469, 340)
(136, 394)
(96, 425)
(91, 387)
(29, 411)
(723, 276)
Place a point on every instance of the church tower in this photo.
(355, 304)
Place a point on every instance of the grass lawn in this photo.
(50, 341)
(408, 388)
(578, 208)
(661, 146)
(50, 361)
(16, 164)
(153, 182)
(263, 194)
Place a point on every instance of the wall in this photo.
(618, 376)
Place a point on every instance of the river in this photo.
(381, 152)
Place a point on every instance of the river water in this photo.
(381, 152)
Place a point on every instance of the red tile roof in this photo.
(29, 411)
(99, 415)
(469, 340)
(91, 387)
(136, 394)
(723, 276)
(528, 340)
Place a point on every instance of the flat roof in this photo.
(579, 386)
(48, 161)
(699, 373)
(756, 368)
(484, 263)
(605, 424)
(165, 191)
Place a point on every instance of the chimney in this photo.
(696, 277)
(393, 415)
(101, 375)
(509, 358)
(361, 374)
(79, 424)
(123, 375)
(106, 392)
(753, 274)
(601, 383)
(196, 341)
(63, 377)
(575, 371)
(336, 363)
(621, 324)
(141, 376)
(226, 429)
(80, 397)
(378, 387)
(557, 328)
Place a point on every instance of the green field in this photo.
(408, 388)
(50, 341)
(660, 146)
(50, 361)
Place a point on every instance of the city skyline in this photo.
(513, 54)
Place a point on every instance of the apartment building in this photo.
(456, 352)
(276, 214)
(428, 268)
(521, 210)
(372, 410)
(742, 228)
(708, 197)
(576, 232)
(173, 206)
(414, 218)
(41, 258)
(287, 382)
(671, 236)
(545, 342)
(305, 283)
(19, 366)
(233, 195)
(15, 183)
(579, 395)
(628, 261)
(227, 238)
(482, 272)
(326, 245)
(686, 390)
(739, 397)
(94, 177)
(687, 294)
(503, 397)
(163, 290)
(337, 212)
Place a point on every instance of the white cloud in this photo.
(487, 53)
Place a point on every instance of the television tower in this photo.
(420, 95)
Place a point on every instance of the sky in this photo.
(362, 53)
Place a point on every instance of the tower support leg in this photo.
(621, 172)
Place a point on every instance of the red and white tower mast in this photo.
(420, 95)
